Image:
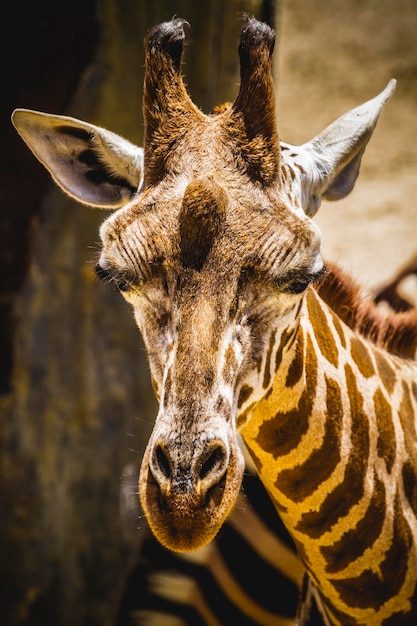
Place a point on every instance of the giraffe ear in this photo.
(91, 164)
(335, 154)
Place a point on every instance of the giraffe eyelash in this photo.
(122, 281)
(103, 274)
(299, 282)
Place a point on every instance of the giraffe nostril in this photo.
(163, 461)
(186, 474)
(212, 462)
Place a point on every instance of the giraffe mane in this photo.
(395, 332)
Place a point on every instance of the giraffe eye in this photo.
(122, 281)
(298, 286)
(300, 283)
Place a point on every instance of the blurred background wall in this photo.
(76, 405)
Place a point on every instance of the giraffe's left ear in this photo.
(91, 164)
(335, 154)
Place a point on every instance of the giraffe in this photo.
(216, 250)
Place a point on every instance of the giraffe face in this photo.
(212, 274)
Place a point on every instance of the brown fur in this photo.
(395, 332)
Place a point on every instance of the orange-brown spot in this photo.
(410, 485)
(243, 417)
(267, 372)
(244, 394)
(386, 432)
(283, 432)
(296, 368)
(167, 387)
(286, 341)
(407, 413)
(360, 354)
(338, 328)
(322, 332)
(291, 172)
(386, 373)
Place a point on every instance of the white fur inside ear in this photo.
(328, 165)
(91, 164)
(119, 157)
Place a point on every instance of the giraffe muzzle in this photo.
(188, 486)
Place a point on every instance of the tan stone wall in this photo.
(333, 56)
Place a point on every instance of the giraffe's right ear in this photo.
(91, 164)
(333, 157)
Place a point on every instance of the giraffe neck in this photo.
(334, 441)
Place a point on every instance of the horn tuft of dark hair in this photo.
(167, 37)
(254, 35)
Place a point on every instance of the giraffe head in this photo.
(213, 247)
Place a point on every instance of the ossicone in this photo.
(254, 106)
(167, 107)
(167, 38)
